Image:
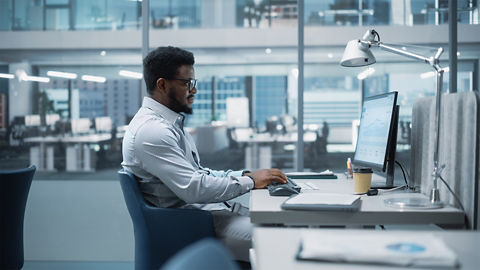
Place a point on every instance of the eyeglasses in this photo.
(191, 83)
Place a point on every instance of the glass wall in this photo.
(107, 14)
(236, 103)
(6, 15)
(168, 14)
(177, 14)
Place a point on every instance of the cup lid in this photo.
(362, 170)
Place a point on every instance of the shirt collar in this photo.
(169, 115)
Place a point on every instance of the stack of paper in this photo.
(381, 248)
(322, 201)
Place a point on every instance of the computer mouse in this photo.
(281, 190)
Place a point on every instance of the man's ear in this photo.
(161, 84)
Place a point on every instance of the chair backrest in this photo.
(206, 254)
(459, 149)
(14, 188)
(161, 232)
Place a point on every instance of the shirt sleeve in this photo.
(223, 173)
(159, 152)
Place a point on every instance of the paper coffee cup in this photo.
(362, 179)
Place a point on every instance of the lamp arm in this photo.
(433, 60)
(408, 54)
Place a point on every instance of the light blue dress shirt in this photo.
(164, 156)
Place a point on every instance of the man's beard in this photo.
(177, 106)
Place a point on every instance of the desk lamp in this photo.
(357, 54)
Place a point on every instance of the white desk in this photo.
(42, 156)
(308, 136)
(78, 154)
(265, 209)
(275, 248)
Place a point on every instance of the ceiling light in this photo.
(330, 55)
(458, 53)
(103, 53)
(91, 78)
(59, 74)
(268, 51)
(130, 74)
(7, 76)
(35, 79)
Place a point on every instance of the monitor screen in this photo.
(81, 125)
(103, 124)
(32, 120)
(237, 112)
(51, 119)
(375, 131)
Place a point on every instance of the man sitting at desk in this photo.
(157, 150)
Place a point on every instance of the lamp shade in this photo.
(355, 55)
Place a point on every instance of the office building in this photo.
(242, 48)
(114, 98)
(270, 98)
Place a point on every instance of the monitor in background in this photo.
(242, 134)
(237, 112)
(377, 135)
(51, 119)
(80, 126)
(32, 120)
(103, 124)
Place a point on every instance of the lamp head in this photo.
(357, 54)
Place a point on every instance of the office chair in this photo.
(161, 232)
(14, 188)
(205, 254)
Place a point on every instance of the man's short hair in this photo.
(164, 62)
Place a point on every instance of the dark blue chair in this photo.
(205, 254)
(161, 232)
(14, 188)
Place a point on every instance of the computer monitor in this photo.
(377, 135)
(80, 126)
(32, 120)
(237, 112)
(103, 124)
(51, 119)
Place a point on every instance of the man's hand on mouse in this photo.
(265, 176)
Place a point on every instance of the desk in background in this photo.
(258, 153)
(78, 155)
(266, 209)
(276, 248)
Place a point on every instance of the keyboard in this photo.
(278, 189)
